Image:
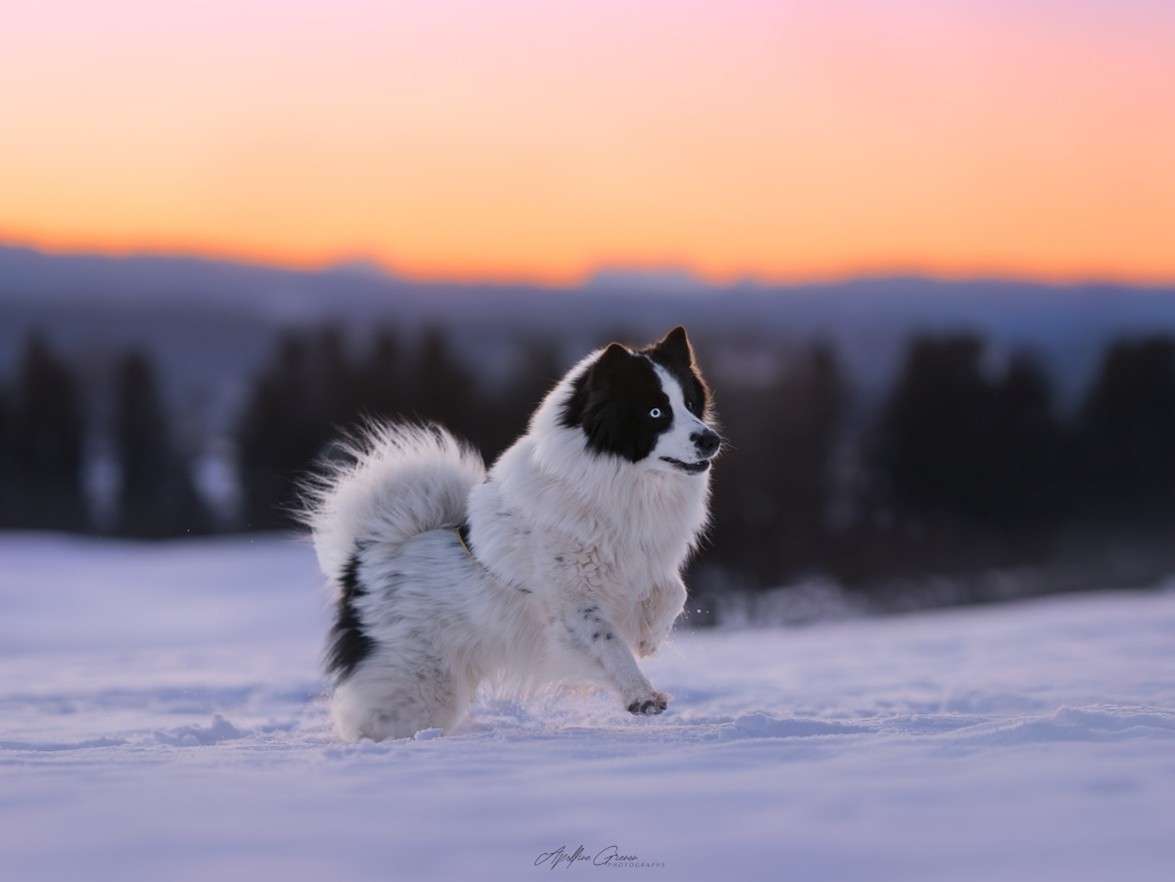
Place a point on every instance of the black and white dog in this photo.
(559, 564)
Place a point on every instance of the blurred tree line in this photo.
(966, 465)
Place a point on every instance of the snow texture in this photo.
(161, 717)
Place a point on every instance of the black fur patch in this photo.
(612, 401)
(348, 644)
(463, 532)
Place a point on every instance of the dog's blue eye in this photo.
(655, 413)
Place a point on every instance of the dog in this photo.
(562, 563)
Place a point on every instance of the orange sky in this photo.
(539, 139)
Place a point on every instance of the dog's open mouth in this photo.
(693, 468)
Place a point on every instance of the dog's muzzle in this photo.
(707, 442)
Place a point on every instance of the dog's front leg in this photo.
(658, 613)
(589, 632)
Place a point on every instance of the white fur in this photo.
(678, 441)
(576, 568)
(397, 481)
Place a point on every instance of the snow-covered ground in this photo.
(161, 719)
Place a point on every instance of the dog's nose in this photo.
(707, 442)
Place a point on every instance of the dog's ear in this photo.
(611, 364)
(615, 353)
(674, 348)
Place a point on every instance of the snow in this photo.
(161, 717)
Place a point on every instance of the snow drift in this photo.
(161, 718)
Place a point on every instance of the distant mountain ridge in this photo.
(210, 322)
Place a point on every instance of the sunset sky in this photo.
(540, 139)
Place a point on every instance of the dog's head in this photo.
(650, 406)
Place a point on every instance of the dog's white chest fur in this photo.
(584, 538)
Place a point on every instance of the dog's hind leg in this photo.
(387, 699)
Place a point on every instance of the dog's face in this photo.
(649, 407)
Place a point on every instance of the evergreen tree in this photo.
(1126, 433)
(538, 368)
(7, 463)
(335, 386)
(955, 446)
(1027, 448)
(281, 433)
(772, 491)
(444, 391)
(48, 433)
(157, 497)
(381, 379)
(936, 430)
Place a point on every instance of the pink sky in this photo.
(541, 139)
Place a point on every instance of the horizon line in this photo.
(584, 277)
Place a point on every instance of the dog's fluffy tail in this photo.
(386, 484)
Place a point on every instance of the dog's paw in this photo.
(654, 703)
